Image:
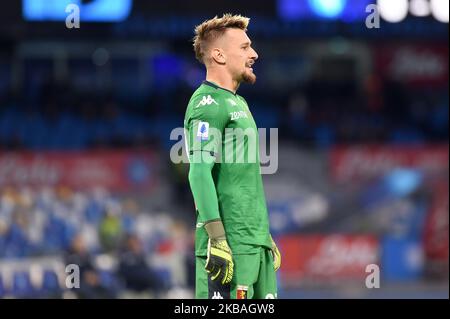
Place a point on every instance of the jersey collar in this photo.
(214, 85)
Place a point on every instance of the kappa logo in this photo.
(217, 295)
(206, 100)
(232, 102)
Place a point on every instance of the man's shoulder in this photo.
(240, 97)
(205, 95)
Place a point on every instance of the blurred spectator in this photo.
(134, 270)
(91, 285)
(110, 230)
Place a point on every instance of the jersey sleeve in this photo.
(205, 124)
(204, 127)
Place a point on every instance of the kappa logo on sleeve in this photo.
(206, 100)
(203, 131)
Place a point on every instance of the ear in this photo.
(218, 55)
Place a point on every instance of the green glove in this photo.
(219, 263)
(276, 255)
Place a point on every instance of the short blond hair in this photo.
(214, 28)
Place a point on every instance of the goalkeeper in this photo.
(235, 254)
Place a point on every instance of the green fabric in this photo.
(253, 273)
(204, 190)
(229, 190)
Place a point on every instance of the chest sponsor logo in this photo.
(238, 115)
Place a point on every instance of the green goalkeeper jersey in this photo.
(221, 134)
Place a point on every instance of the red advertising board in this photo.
(365, 162)
(326, 258)
(115, 170)
(417, 65)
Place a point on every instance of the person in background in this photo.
(91, 286)
(135, 272)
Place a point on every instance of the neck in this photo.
(222, 79)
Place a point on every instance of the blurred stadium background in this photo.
(85, 119)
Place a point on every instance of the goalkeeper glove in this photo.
(219, 263)
(276, 255)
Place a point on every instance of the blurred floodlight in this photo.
(439, 9)
(419, 8)
(328, 8)
(94, 10)
(393, 11)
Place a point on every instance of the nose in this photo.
(254, 55)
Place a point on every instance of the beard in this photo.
(248, 77)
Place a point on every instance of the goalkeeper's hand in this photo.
(276, 255)
(219, 263)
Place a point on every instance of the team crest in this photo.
(241, 292)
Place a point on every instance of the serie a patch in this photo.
(203, 131)
(241, 292)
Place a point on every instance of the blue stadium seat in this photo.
(54, 235)
(68, 133)
(9, 120)
(324, 136)
(164, 275)
(50, 284)
(94, 212)
(32, 130)
(407, 135)
(125, 125)
(16, 243)
(162, 128)
(22, 287)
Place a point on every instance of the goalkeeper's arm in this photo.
(219, 263)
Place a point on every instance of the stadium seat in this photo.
(164, 275)
(50, 284)
(22, 287)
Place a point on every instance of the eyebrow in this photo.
(246, 43)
